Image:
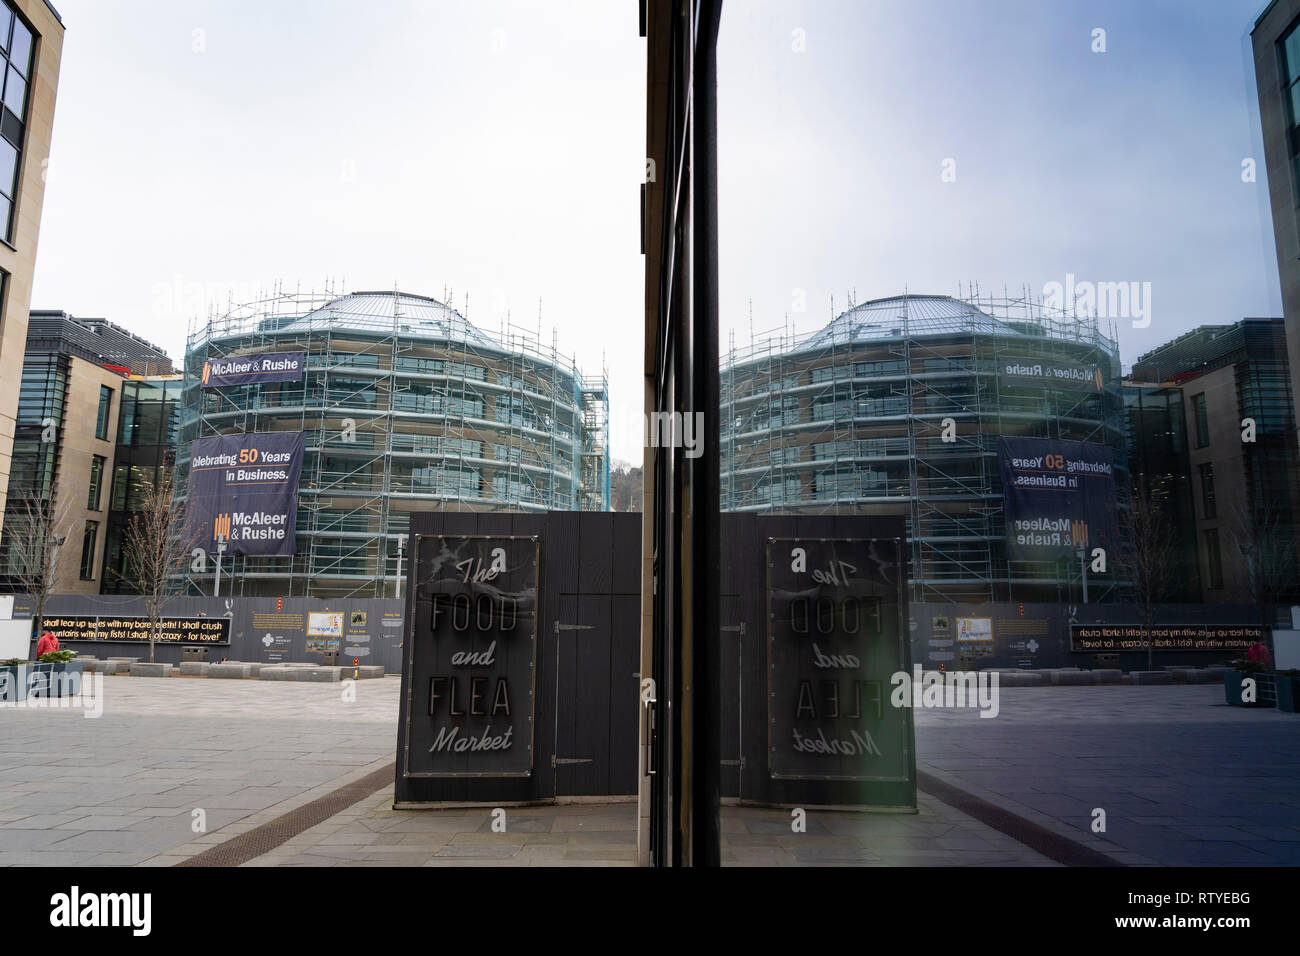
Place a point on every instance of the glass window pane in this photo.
(16, 93)
(1291, 55)
(6, 21)
(6, 207)
(12, 127)
(20, 52)
(8, 167)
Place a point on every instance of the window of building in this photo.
(105, 407)
(1289, 55)
(1208, 506)
(1202, 420)
(88, 550)
(96, 482)
(16, 43)
(1213, 559)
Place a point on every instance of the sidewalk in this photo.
(371, 833)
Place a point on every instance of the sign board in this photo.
(835, 640)
(135, 630)
(255, 369)
(244, 489)
(1060, 497)
(1165, 637)
(472, 664)
(975, 629)
(325, 624)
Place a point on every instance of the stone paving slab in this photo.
(1169, 765)
(122, 788)
(605, 834)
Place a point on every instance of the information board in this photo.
(835, 641)
(134, 630)
(471, 668)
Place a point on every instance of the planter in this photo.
(1288, 691)
(1264, 692)
(38, 679)
(65, 679)
(13, 683)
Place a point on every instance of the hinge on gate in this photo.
(573, 627)
(735, 627)
(556, 761)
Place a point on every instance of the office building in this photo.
(1237, 401)
(31, 44)
(65, 448)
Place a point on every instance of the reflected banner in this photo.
(1060, 498)
(244, 489)
(259, 369)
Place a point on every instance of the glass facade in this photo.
(17, 45)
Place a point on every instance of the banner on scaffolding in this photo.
(258, 369)
(243, 490)
(1088, 378)
(1060, 498)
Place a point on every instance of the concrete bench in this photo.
(277, 672)
(145, 669)
(231, 671)
(1019, 678)
(1152, 677)
(194, 668)
(1074, 677)
(320, 674)
(1108, 675)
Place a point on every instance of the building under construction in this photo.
(896, 407)
(406, 406)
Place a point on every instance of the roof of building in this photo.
(917, 316)
(415, 315)
(94, 339)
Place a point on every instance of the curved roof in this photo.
(915, 314)
(414, 315)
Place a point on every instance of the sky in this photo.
(205, 151)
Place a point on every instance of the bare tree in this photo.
(1267, 543)
(1151, 561)
(37, 537)
(155, 549)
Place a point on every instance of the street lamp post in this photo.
(221, 549)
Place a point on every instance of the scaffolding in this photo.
(896, 407)
(405, 406)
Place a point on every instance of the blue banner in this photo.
(243, 489)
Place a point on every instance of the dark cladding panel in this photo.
(472, 663)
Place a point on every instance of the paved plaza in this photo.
(1182, 778)
(121, 788)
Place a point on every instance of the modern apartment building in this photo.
(31, 44)
(1241, 455)
(65, 447)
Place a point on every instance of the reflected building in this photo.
(897, 406)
